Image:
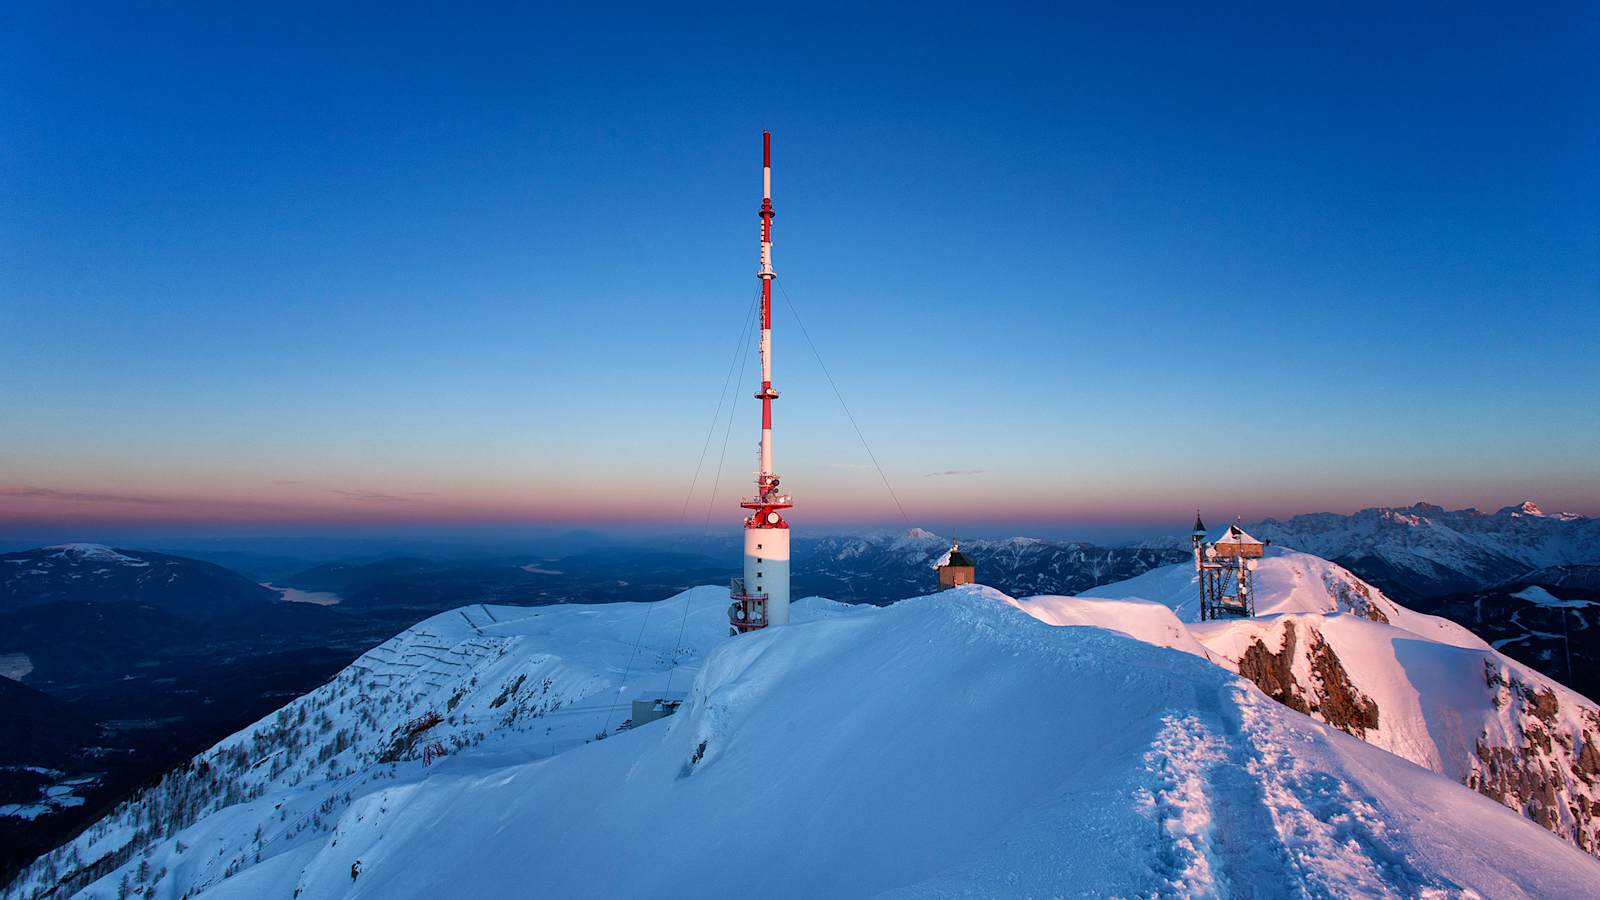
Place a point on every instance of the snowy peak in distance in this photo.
(1427, 551)
(93, 553)
(1529, 508)
(95, 573)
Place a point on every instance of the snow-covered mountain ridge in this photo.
(100, 574)
(1422, 687)
(963, 743)
(1430, 551)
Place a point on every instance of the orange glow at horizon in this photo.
(577, 502)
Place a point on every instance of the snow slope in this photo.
(507, 683)
(1474, 716)
(1538, 596)
(949, 745)
(1144, 620)
(1327, 644)
(1288, 581)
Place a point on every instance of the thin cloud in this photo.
(375, 496)
(954, 472)
(39, 493)
(286, 481)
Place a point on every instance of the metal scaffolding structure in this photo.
(1225, 570)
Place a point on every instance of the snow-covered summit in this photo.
(96, 573)
(1288, 581)
(1425, 688)
(965, 742)
(1529, 508)
(917, 541)
(93, 553)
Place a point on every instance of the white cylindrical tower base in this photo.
(766, 569)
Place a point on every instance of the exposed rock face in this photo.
(1589, 762)
(1329, 695)
(1550, 772)
(1527, 748)
(1342, 706)
(1273, 673)
(1355, 596)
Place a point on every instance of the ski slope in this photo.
(934, 747)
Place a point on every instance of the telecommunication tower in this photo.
(761, 597)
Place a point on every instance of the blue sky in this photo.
(466, 264)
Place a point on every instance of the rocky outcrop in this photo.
(1547, 764)
(1528, 748)
(1329, 695)
(1341, 705)
(1273, 672)
(1355, 596)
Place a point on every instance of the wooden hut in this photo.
(957, 568)
(1236, 544)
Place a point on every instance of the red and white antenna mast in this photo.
(761, 597)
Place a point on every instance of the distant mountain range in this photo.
(1428, 551)
(531, 579)
(881, 568)
(99, 574)
(876, 568)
